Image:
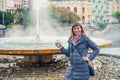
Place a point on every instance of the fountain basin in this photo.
(46, 45)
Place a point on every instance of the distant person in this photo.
(21, 21)
(78, 69)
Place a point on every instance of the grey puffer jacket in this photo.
(78, 69)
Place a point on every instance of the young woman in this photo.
(78, 69)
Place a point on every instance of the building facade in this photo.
(4, 5)
(118, 3)
(81, 8)
(102, 10)
(11, 5)
(25, 4)
(115, 5)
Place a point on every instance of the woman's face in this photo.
(77, 30)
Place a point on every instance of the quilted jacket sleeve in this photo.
(94, 47)
(66, 51)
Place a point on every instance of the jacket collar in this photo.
(80, 41)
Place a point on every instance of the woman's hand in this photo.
(58, 45)
(85, 58)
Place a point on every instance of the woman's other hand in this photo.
(85, 58)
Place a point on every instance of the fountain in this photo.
(42, 44)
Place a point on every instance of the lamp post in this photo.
(3, 12)
(3, 17)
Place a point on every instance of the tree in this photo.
(116, 15)
(64, 16)
(23, 17)
(27, 18)
(19, 15)
(8, 18)
(19, 10)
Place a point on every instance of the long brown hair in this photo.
(74, 25)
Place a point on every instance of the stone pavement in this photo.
(115, 52)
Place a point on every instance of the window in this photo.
(75, 9)
(83, 10)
